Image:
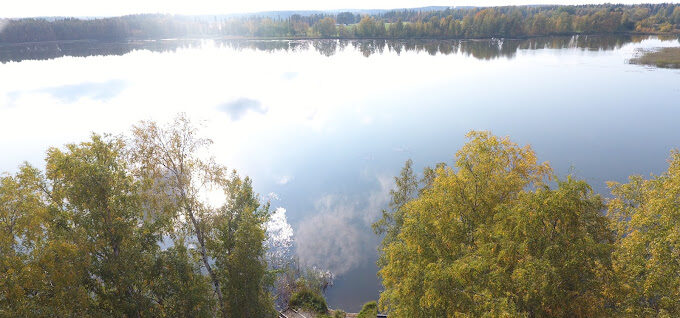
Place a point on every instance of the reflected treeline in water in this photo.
(480, 49)
(52, 50)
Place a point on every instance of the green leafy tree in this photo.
(325, 27)
(85, 239)
(368, 310)
(392, 221)
(179, 287)
(236, 244)
(551, 252)
(103, 216)
(646, 219)
(308, 299)
(230, 238)
(346, 18)
(39, 273)
(477, 242)
(167, 156)
(440, 227)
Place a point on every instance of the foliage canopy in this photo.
(118, 227)
(491, 237)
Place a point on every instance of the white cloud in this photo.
(283, 180)
(279, 237)
(339, 236)
(329, 239)
(238, 108)
(272, 196)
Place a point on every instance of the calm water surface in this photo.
(322, 126)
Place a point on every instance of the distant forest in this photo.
(449, 23)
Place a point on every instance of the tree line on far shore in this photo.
(450, 23)
(492, 22)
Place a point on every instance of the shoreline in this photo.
(250, 38)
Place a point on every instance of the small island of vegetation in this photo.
(666, 57)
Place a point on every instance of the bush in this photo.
(309, 300)
(334, 314)
(339, 314)
(370, 309)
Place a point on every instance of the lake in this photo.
(323, 126)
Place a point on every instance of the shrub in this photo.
(339, 314)
(370, 309)
(309, 300)
(335, 314)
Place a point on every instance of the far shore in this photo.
(668, 35)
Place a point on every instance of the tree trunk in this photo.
(204, 256)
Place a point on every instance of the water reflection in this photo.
(53, 50)
(480, 49)
(238, 108)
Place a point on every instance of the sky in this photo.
(33, 8)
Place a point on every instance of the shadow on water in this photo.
(480, 49)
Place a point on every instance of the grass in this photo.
(667, 58)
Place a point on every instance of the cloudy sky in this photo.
(26, 8)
